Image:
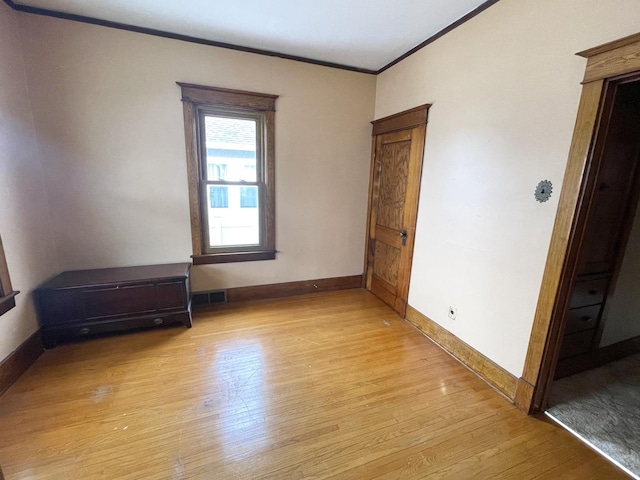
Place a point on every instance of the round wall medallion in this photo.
(543, 191)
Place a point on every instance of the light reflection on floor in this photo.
(239, 366)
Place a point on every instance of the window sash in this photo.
(197, 98)
(249, 200)
(231, 113)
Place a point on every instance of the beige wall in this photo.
(24, 221)
(109, 116)
(623, 307)
(505, 88)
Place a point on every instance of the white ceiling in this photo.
(365, 34)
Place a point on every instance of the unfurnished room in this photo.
(319, 240)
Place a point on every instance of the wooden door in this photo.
(396, 167)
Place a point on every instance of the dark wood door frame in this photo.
(409, 119)
(607, 65)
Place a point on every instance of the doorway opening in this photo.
(597, 384)
(611, 76)
(602, 309)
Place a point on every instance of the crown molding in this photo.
(212, 43)
(176, 36)
(476, 11)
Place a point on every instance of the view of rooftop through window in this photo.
(231, 173)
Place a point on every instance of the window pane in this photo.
(218, 197)
(249, 197)
(237, 223)
(231, 149)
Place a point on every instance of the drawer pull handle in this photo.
(586, 318)
(158, 321)
(84, 330)
(593, 292)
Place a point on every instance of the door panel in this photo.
(394, 159)
(395, 184)
(386, 262)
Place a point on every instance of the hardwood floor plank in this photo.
(330, 385)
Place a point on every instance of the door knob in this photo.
(403, 236)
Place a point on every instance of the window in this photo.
(218, 197)
(7, 294)
(216, 171)
(230, 161)
(248, 197)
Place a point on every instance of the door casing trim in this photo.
(606, 65)
(408, 119)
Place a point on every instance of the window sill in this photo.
(8, 302)
(233, 257)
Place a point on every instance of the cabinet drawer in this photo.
(171, 296)
(588, 292)
(577, 343)
(52, 334)
(585, 318)
(111, 302)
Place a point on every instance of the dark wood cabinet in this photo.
(86, 302)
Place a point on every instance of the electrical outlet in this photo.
(453, 311)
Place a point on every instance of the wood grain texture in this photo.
(609, 46)
(269, 179)
(278, 290)
(19, 361)
(227, 97)
(370, 234)
(372, 213)
(387, 263)
(388, 236)
(193, 176)
(606, 64)
(546, 333)
(411, 214)
(523, 395)
(194, 98)
(401, 121)
(495, 375)
(333, 385)
(394, 189)
(212, 258)
(622, 60)
(384, 291)
(393, 184)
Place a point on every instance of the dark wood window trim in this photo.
(198, 97)
(7, 294)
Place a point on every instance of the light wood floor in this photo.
(323, 386)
